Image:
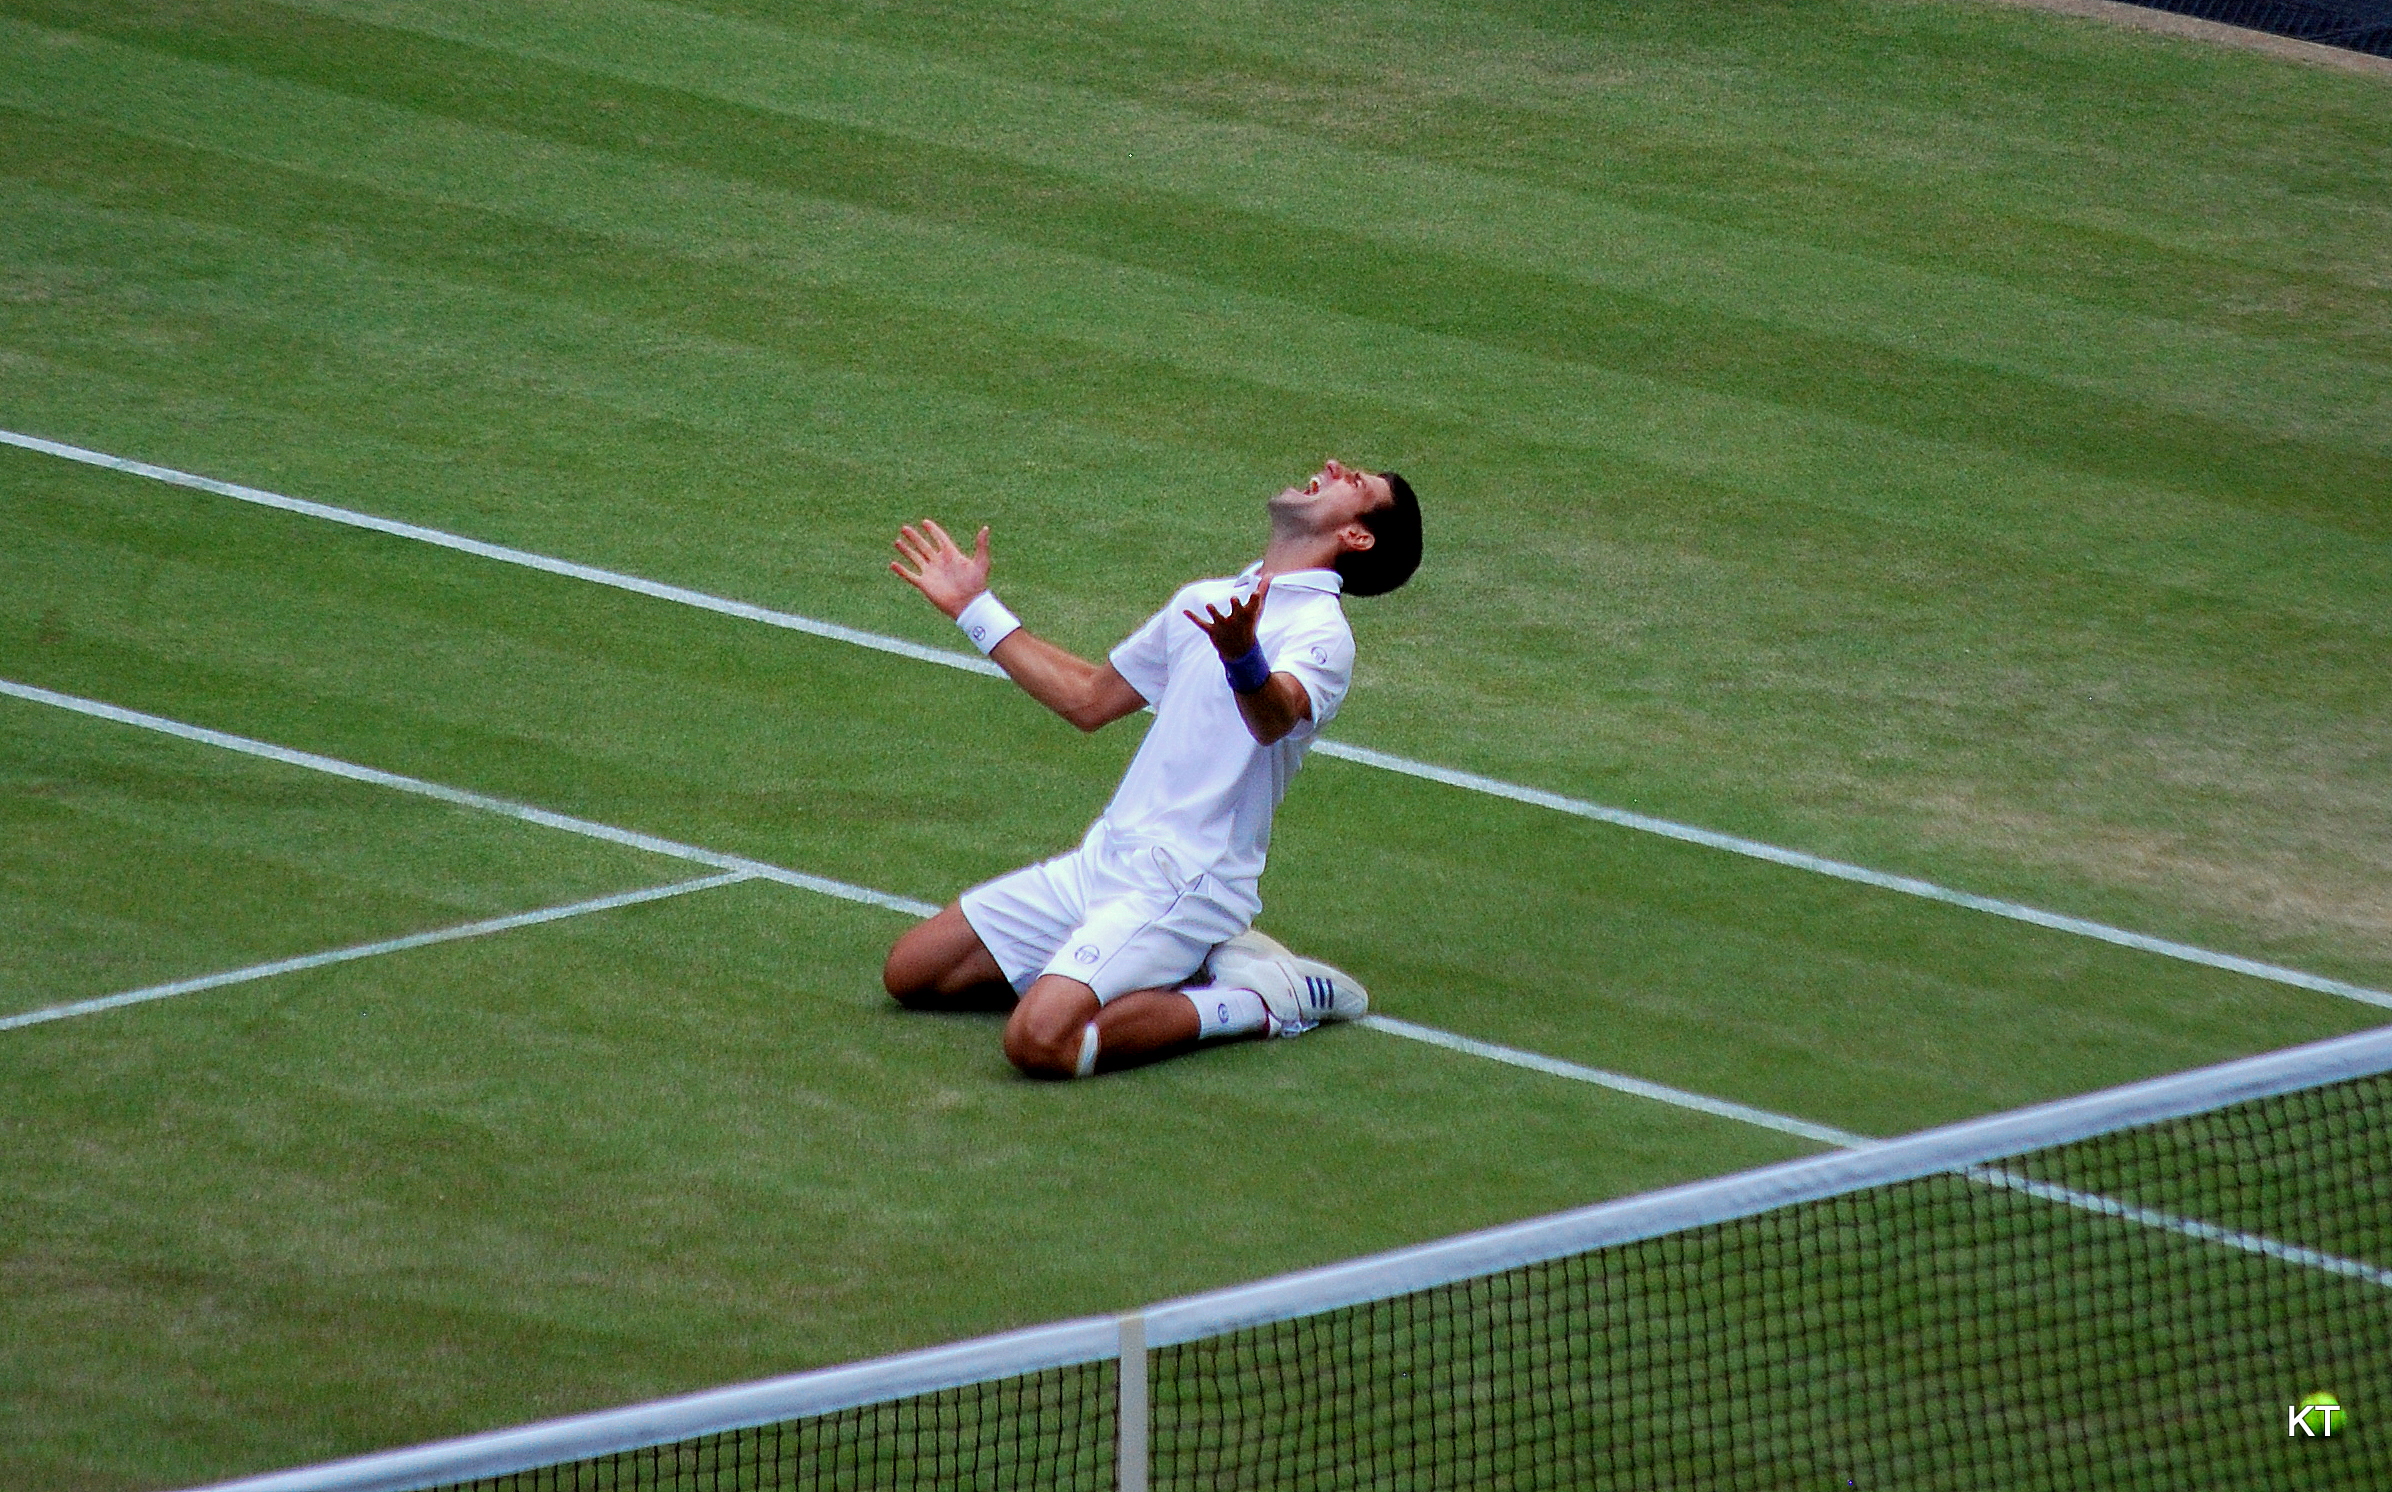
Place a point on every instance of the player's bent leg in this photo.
(1060, 1031)
(1053, 1031)
(1143, 1025)
(940, 964)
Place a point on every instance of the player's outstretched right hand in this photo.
(1233, 635)
(941, 571)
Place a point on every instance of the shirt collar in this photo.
(1328, 582)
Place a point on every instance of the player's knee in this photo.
(900, 976)
(1041, 1056)
(911, 971)
(1046, 1033)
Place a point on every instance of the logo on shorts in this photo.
(1085, 953)
(1320, 655)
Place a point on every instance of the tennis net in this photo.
(2358, 25)
(2137, 1288)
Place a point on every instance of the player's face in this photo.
(1332, 498)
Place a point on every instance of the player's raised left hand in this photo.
(1233, 635)
(941, 570)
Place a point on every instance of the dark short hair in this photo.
(1389, 561)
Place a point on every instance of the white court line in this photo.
(758, 870)
(370, 950)
(1907, 885)
(1618, 1082)
(1362, 755)
(2233, 1238)
(631, 838)
(2092, 1202)
(969, 662)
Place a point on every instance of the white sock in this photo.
(1227, 1012)
(1087, 1051)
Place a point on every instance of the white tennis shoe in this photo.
(1300, 993)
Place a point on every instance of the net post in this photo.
(1130, 1462)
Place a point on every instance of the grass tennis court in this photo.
(1945, 437)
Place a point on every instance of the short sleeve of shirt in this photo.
(1144, 657)
(1321, 656)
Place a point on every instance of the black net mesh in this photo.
(1051, 1430)
(2141, 1310)
(1941, 1333)
(2360, 25)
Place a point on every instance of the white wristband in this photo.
(986, 622)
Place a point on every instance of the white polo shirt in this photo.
(1201, 787)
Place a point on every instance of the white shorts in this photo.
(1117, 916)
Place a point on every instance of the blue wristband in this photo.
(1248, 671)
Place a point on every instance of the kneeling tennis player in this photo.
(1141, 940)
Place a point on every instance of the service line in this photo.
(371, 950)
(1361, 755)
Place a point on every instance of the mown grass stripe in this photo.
(986, 266)
(1360, 755)
(1032, 154)
(1536, 296)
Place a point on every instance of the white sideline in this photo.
(632, 838)
(1618, 1082)
(969, 662)
(370, 950)
(1959, 1147)
(2249, 1243)
(1843, 871)
(1361, 755)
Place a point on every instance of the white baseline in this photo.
(1362, 755)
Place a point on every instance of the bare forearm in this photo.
(1087, 694)
(1276, 708)
(1273, 709)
